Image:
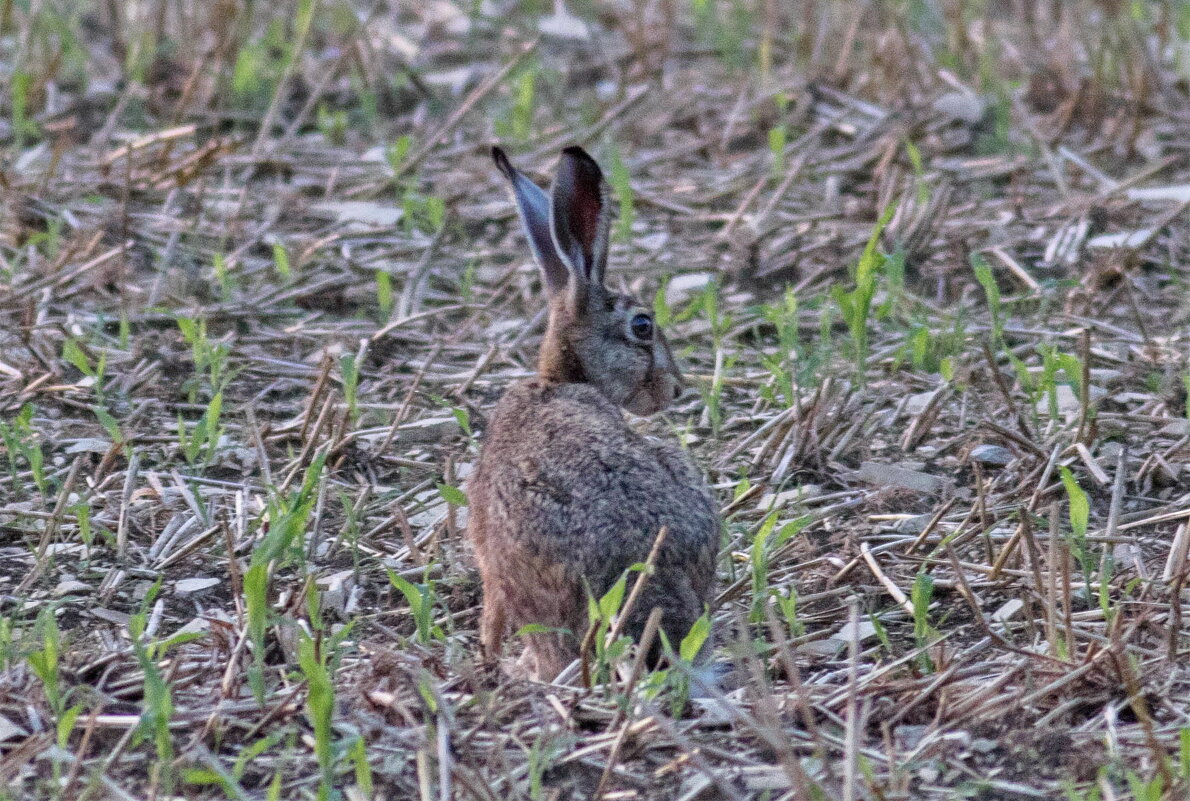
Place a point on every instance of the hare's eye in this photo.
(642, 327)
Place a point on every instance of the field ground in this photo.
(925, 261)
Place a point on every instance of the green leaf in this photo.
(109, 424)
(384, 292)
(410, 590)
(694, 640)
(1080, 507)
(452, 495)
(363, 771)
(621, 182)
(281, 262)
(610, 603)
(397, 151)
(73, 354)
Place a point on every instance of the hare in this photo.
(565, 496)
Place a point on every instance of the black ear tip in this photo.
(502, 162)
(574, 151)
(583, 161)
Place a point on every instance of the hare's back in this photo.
(563, 476)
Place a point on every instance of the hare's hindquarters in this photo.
(521, 588)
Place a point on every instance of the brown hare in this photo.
(566, 496)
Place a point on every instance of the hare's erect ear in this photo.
(534, 207)
(580, 215)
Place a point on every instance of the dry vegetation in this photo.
(259, 284)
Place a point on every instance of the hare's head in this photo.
(595, 336)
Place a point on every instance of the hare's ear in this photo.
(534, 207)
(580, 215)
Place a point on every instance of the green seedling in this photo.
(332, 124)
(396, 152)
(788, 364)
(421, 212)
(203, 439)
(320, 708)
(223, 277)
(991, 291)
(10, 653)
(601, 615)
(621, 183)
(212, 370)
(21, 443)
(541, 756)
(350, 373)
(422, 600)
(23, 126)
(707, 303)
(384, 293)
(1080, 513)
(288, 517)
(158, 695)
(281, 262)
(44, 662)
(787, 605)
(675, 680)
(767, 540)
(778, 140)
(923, 633)
(521, 122)
(357, 754)
(467, 281)
(919, 175)
(856, 305)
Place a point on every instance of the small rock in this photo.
(336, 589)
(651, 243)
(909, 736)
(72, 587)
(1068, 402)
(109, 615)
(828, 648)
(564, 25)
(195, 585)
(10, 730)
(1175, 428)
(430, 429)
(864, 628)
(1179, 193)
(89, 445)
(1125, 553)
(196, 626)
(962, 106)
(681, 287)
(360, 215)
(982, 745)
(1123, 239)
(912, 525)
(770, 501)
(713, 713)
(887, 475)
(1008, 610)
(917, 403)
(991, 455)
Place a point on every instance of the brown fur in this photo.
(566, 496)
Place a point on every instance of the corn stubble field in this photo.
(924, 262)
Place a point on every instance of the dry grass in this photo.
(259, 283)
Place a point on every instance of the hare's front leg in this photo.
(492, 625)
